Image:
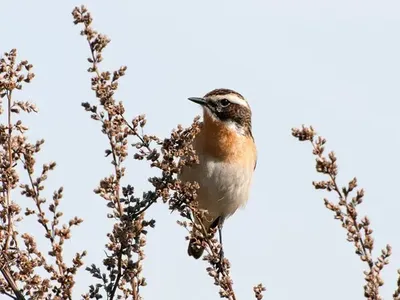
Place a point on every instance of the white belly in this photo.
(224, 187)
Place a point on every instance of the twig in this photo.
(358, 232)
(10, 161)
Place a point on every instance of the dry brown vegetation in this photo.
(30, 272)
(359, 231)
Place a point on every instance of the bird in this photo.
(227, 155)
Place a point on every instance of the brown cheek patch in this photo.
(236, 113)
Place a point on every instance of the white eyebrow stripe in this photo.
(232, 98)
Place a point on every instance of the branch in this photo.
(358, 232)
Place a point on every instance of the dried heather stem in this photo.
(258, 291)
(127, 239)
(21, 261)
(358, 231)
(10, 161)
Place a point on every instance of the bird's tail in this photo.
(195, 247)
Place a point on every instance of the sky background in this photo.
(332, 64)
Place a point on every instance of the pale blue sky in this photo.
(332, 64)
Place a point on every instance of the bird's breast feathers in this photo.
(226, 165)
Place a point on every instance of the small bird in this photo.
(227, 158)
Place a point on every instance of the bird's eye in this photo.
(224, 102)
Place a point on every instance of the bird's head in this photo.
(228, 107)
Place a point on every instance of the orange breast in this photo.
(224, 143)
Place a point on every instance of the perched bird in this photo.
(227, 158)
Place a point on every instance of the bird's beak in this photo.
(198, 100)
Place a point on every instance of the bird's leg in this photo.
(220, 224)
(220, 265)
